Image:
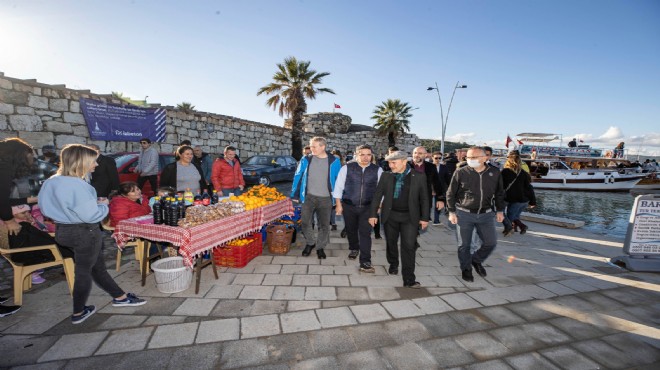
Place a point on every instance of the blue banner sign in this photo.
(113, 122)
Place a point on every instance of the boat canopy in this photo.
(538, 137)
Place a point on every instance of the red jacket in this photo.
(225, 176)
(122, 208)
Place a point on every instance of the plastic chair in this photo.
(137, 244)
(23, 273)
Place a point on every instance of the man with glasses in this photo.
(445, 176)
(353, 193)
(471, 192)
(147, 167)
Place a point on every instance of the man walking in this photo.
(105, 177)
(472, 191)
(226, 174)
(404, 209)
(313, 184)
(354, 191)
(445, 176)
(147, 168)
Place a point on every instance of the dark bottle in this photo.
(182, 208)
(166, 211)
(206, 198)
(174, 213)
(198, 199)
(214, 197)
(157, 211)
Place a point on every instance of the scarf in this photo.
(398, 183)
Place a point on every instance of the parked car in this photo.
(29, 186)
(265, 169)
(127, 161)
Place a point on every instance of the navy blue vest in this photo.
(360, 186)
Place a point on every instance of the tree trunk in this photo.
(390, 139)
(296, 137)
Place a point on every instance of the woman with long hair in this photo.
(128, 202)
(184, 173)
(71, 202)
(519, 193)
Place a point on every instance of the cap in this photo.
(20, 209)
(396, 155)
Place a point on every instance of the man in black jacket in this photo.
(472, 190)
(105, 177)
(434, 185)
(404, 209)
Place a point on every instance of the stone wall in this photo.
(44, 114)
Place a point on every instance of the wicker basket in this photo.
(278, 239)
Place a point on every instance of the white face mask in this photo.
(474, 163)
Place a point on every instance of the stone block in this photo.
(278, 279)
(448, 351)
(352, 294)
(338, 316)
(320, 293)
(174, 335)
(460, 301)
(3, 123)
(432, 305)
(6, 108)
(122, 321)
(472, 320)
(74, 346)
(501, 316)
(530, 361)
(196, 307)
(58, 105)
(382, 293)
(409, 356)
(333, 280)
(25, 110)
(62, 140)
(257, 292)
(244, 353)
(25, 123)
(370, 313)
(267, 268)
(482, 346)
(60, 127)
(489, 365)
(363, 360)
(218, 330)
(248, 279)
(38, 102)
(233, 308)
(299, 321)
(259, 326)
(402, 308)
(126, 340)
(6, 84)
(47, 113)
(291, 293)
(74, 106)
(13, 97)
(81, 131)
(610, 357)
(225, 291)
(267, 307)
(569, 358)
(74, 118)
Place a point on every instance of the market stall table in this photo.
(193, 241)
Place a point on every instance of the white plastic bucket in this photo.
(171, 275)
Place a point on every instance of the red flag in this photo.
(508, 141)
(337, 106)
(519, 142)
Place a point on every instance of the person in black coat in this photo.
(105, 177)
(184, 157)
(434, 184)
(403, 210)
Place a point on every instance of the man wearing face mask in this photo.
(472, 190)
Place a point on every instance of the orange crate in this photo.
(238, 256)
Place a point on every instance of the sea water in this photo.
(602, 212)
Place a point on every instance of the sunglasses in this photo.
(437, 158)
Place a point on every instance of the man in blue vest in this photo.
(313, 184)
(354, 191)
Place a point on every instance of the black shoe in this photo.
(378, 236)
(479, 268)
(321, 254)
(508, 231)
(343, 233)
(8, 310)
(413, 285)
(333, 227)
(467, 275)
(353, 254)
(308, 250)
(3, 299)
(393, 270)
(367, 267)
(523, 229)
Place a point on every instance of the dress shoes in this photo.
(467, 275)
(353, 254)
(393, 270)
(320, 253)
(308, 249)
(333, 227)
(479, 268)
(378, 236)
(413, 285)
(343, 233)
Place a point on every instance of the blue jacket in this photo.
(299, 187)
(70, 200)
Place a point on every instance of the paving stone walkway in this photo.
(551, 300)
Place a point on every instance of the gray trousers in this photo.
(322, 206)
(484, 224)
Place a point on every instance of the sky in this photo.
(572, 67)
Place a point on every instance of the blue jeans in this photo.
(513, 211)
(484, 223)
(436, 213)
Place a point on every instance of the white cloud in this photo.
(612, 133)
(465, 137)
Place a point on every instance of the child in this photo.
(163, 191)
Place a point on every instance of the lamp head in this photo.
(462, 86)
(430, 88)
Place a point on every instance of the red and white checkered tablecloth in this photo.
(195, 240)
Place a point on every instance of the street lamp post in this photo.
(443, 118)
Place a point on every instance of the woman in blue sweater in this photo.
(71, 202)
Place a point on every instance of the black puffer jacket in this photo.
(472, 190)
(519, 186)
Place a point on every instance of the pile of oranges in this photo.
(258, 196)
(240, 242)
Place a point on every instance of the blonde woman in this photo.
(71, 202)
(519, 193)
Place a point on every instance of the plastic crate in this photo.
(238, 256)
(297, 210)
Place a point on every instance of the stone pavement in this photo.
(550, 301)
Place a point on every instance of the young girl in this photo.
(163, 191)
(71, 202)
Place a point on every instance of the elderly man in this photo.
(404, 209)
(313, 184)
(470, 197)
(354, 191)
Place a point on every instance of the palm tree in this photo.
(185, 107)
(392, 119)
(292, 83)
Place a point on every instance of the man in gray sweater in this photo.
(147, 168)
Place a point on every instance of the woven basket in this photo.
(278, 239)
